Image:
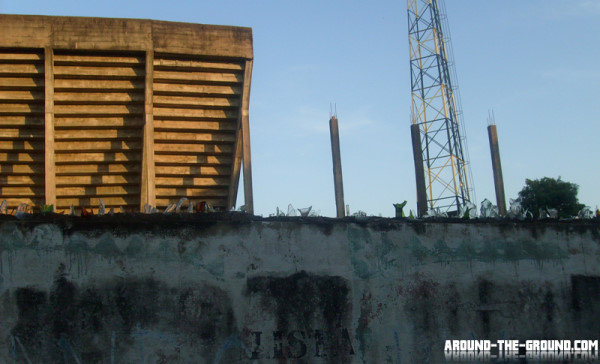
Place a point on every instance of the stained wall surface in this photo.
(234, 289)
(129, 111)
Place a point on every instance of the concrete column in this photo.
(337, 166)
(497, 168)
(415, 133)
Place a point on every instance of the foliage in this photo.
(548, 193)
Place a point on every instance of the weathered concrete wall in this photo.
(232, 289)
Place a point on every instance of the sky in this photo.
(535, 63)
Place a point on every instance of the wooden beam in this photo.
(246, 155)
(50, 167)
(148, 195)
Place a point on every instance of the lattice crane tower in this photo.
(440, 160)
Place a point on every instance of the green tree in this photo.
(550, 193)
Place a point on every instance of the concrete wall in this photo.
(234, 289)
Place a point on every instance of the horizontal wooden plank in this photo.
(104, 145)
(85, 59)
(83, 85)
(98, 122)
(183, 89)
(21, 145)
(190, 64)
(9, 69)
(165, 112)
(22, 83)
(21, 191)
(162, 192)
(86, 134)
(98, 109)
(21, 157)
(21, 133)
(97, 191)
(189, 125)
(104, 168)
(191, 77)
(172, 160)
(21, 120)
(22, 96)
(13, 202)
(198, 170)
(94, 202)
(191, 181)
(26, 57)
(80, 71)
(195, 101)
(197, 137)
(192, 148)
(28, 168)
(98, 97)
(161, 203)
(97, 157)
(21, 109)
(65, 181)
(31, 180)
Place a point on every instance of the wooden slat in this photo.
(21, 180)
(160, 112)
(97, 134)
(113, 146)
(21, 133)
(182, 89)
(50, 172)
(68, 84)
(14, 202)
(162, 192)
(195, 101)
(25, 57)
(21, 145)
(105, 168)
(21, 191)
(98, 97)
(21, 157)
(129, 72)
(214, 201)
(94, 202)
(192, 181)
(22, 95)
(98, 157)
(204, 137)
(170, 76)
(172, 148)
(166, 171)
(21, 120)
(21, 83)
(98, 109)
(165, 63)
(99, 122)
(29, 168)
(191, 159)
(96, 180)
(21, 69)
(225, 125)
(12, 109)
(97, 191)
(63, 59)
(147, 189)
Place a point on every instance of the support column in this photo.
(497, 168)
(337, 166)
(415, 133)
(148, 195)
(246, 155)
(50, 165)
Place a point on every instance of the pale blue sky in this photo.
(536, 63)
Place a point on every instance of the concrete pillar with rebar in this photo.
(497, 168)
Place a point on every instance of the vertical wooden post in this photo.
(497, 168)
(247, 160)
(415, 134)
(337, 166)
(148, 195)
(50, 165)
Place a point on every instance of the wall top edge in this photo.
(119, 34)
